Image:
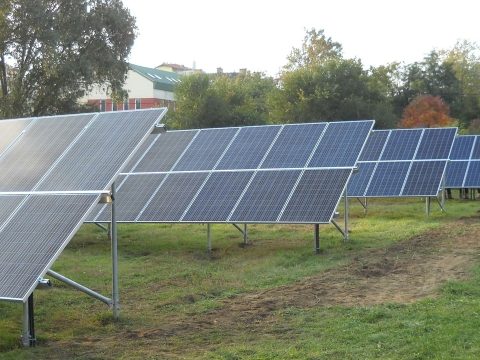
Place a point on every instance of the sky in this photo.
(259, 35)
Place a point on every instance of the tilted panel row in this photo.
(403, 162)
(463, 170)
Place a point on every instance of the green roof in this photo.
(162, 80)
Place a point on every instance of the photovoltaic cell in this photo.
(248, 148)
(173, 197)
(359, 181)
(218, 197)
(94, 160)
(7, 205)
(436, 143)
(473, 175)
(374, 146)
(388, 179)
(265, 197)
(401, 145)
(133, 193)
(205, 151)
(455, 174)
(166, 151)
(293, 146)
(424, 178)
(341, 144)
(35, 235)
(316, 196)
(10, 130)
(36, 151)
(462, 147)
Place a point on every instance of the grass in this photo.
(166, 277)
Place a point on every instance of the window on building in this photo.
(103, 105)
(125, 104)
(114, 106)
(138, 104)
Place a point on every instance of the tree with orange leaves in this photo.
(426, 111)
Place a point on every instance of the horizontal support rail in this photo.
(80, 192)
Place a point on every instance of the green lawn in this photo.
(167, 278)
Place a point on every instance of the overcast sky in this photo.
(258, 35)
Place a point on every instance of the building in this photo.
(146, 88)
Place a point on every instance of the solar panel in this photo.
(401, 144)
(10, 131)
(207, 148)
(265, 197)
(472, 180)
(248, 148)
(165, 151)
(423, 177)
(374, 146)
(247, 174)
(217, 198)
(410, 163)
(461, 169)
(341, 144)
(476, 149)
(388, 179)
(172, 198)
(37, 150)
(359, 182)
(35, 228)
(293, 146)
(316, 196)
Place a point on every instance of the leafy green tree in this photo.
(316, 49)
(221, 100)
(51, 51)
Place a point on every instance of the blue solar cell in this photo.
(424, 178)
(218, 196)
(473, 175)
(173, 197)
(341, 144)
(166, 150)
(401, 145)
(388, 179)
(206, 149)
(265, 197)
(436, 143)
(249, 147)
(455, 174)
(316, 196)
(374, 146)
(476, 149)
(294, 146)
(462, 148)
(359, 181)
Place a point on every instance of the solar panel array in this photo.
(261, 174)
(402, 162)
(463, 170)
(52, 171)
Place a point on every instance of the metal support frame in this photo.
(339, 228)
(244, 232)
(364, 204)
(442, 206)
(28, 331)
(114, 240)
(316, 234)
(103, 227)
(209, 238)
(345, 236)
(443, 194)
(80, 287)
(427, 205)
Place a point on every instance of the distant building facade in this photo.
(146, 88)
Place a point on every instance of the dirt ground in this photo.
(403, 273)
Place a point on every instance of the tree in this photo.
(51, 51)
(220, 100)
(426, 111)
(316, 48)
